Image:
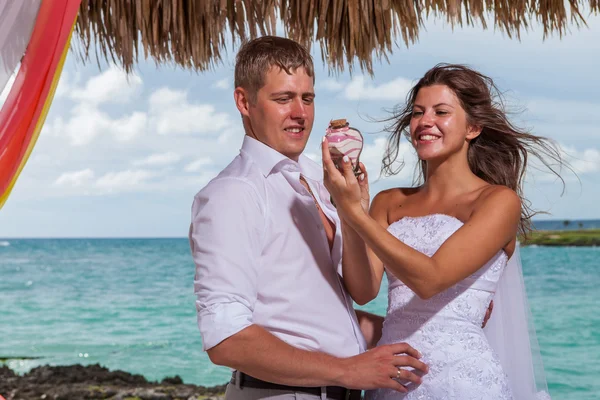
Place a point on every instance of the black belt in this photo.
(333, 392)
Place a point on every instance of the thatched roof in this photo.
(193, 33)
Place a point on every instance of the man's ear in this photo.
(242, 100)
(473, 131)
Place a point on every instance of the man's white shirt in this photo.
(262, 255)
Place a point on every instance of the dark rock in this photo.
(175, 380)
(6, 373)
(79, 374)
(77, 382)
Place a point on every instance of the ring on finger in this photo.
(398, 373)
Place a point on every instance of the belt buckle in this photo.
(347, 394)
(239, 379)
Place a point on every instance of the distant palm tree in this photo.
(566, 222)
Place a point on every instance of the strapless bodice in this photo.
(446, 328)
(464, 300)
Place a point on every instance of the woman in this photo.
(446, 244)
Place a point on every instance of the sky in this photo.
(123, 156)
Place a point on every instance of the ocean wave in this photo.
(18, 260)
(4, 243)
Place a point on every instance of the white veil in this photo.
(511, 334)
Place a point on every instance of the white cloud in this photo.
(583, 162)
(166, 97)
(198, 164)
(222, 84)
(66, 84)
(169, 111)
(331, 85)
(554, 110)
(87, 122)
(158, 159)
(84, 183)
(76, 178)
(124, 180)
(394, 90)
(126, 128)
(231, 133)
(112, 85)
(139, 180)
(372, 156)
(172, 113)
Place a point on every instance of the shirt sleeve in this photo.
(225, 239)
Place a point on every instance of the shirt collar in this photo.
(269, 160)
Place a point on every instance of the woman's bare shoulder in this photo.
(395, 194)
(388, 200)
(497, 195)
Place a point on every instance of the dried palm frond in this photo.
(191, 33)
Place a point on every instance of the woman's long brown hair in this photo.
(499, 155)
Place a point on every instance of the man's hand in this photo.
(380, 367)
(488, 314)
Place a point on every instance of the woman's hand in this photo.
(350, 195)
(363, 183)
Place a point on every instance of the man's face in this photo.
(282, 114)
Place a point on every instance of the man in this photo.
(267, 246)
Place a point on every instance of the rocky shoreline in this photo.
(76, 382)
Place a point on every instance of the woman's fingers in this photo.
(328, 165)
(363, 170)
(330, 170)
(347, 169)
(363, 177)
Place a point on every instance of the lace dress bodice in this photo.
(446, 328)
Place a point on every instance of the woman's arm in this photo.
(361, 268)
(490, 228)
(359, 278)
(492, 225)
(371, 326)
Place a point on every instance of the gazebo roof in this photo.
(193, 33)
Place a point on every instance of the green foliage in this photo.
(585, 237)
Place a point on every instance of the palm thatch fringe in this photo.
(192, 33)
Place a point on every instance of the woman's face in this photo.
(439, 127)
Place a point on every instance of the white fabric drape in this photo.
(17, 19)
(511, 334)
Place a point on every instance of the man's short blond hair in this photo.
(256, 57)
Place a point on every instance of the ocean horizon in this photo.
(128, 304)
(551, 224)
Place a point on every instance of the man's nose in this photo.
(299, 109)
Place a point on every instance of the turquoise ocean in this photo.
(128, 304)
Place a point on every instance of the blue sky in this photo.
(123, 156)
